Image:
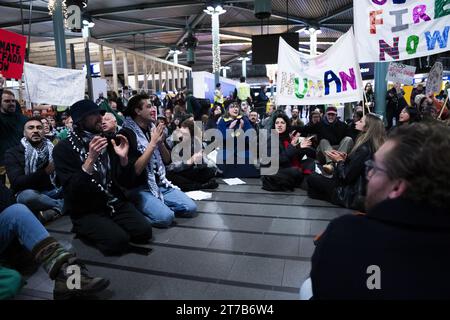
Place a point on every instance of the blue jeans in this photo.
(39, 201)
(17, 221)
(159, 213)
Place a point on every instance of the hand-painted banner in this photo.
(12, 54)
(391, 30)
(56, 86)
(332, 77)
(401, 73)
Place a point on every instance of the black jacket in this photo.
(333, 132)
(6, 197)
(81, 195)
(408, 241)
(15, 168)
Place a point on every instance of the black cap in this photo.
(83, 108)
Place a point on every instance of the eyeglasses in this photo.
(371, 169)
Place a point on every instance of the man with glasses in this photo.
(400, 249)
(11, 127)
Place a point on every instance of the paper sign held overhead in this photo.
(401, 73)
(434, 81)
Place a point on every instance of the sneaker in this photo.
(328, 168)
(87, 285)
(48, 215)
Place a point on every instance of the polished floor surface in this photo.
(245, 243)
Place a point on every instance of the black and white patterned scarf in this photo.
(37, 157)
(102, 166)
(155, 167)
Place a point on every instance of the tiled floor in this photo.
(245, 243)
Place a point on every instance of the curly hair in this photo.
(421, 158)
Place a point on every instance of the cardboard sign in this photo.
(434, 81)
(395, 30)
(12, 54)
(401, 73)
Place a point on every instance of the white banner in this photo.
(401, 73)
(392, 30)
(333, 77)
(55, 86)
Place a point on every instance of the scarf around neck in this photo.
(155, 167)
(37, 157)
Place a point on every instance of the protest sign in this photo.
(401, 73)
(333, 77)
(392, 30)
(12, 54)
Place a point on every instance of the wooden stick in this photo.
(443, 107)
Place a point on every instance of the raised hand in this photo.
(157, 135)
(122, 149)
(96, 147)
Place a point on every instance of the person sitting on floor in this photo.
(152, 192)
(197, 172)
(333, 134)
(31, 171)
(399, 249)
(292, 150)
(93, 170)
(232, 162)
(347, 186)
(18, 222)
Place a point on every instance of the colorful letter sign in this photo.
(332, 77)
(391, 30)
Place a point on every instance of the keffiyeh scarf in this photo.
(155, 167)
(37, 158)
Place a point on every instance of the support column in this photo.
(73, 63)
(154, 76)
(160, 77)
(60, 39)
(102, 62)
(381, 69)
(114, 68)
(88, 68)
(183, 78)
(178, 78)
(145, 76)
(174, 85)
(167, 78)
(136, 72)
(125, 68)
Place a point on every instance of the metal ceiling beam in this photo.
(144, 6)
(24, 7)
(275, 14)
(25, 22)
(338, 23)
(171, 26)
(131, 33)
(192, 25)
(337, 13)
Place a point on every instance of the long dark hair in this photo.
(282, 115)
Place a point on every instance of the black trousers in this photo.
(321, 188)
(111, 233)
(191, 178)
